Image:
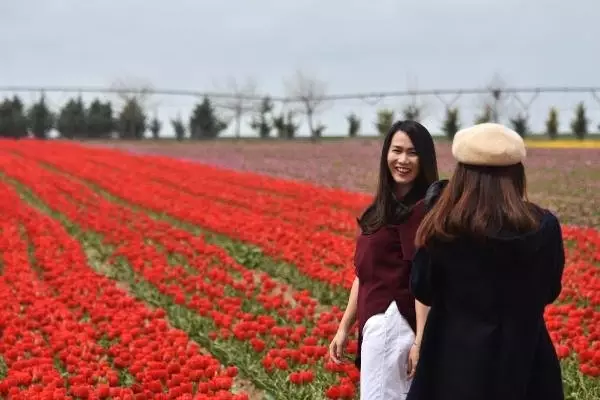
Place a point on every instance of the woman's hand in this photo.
(337, 346)
(413, 360)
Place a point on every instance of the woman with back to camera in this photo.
(380, 293)
(487, 263)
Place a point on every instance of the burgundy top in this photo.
(383, 261)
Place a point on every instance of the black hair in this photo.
(386, 208)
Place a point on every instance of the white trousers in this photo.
(387, 339)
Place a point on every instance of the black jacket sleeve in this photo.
(556, 265)
(433, 193)
(421, 283)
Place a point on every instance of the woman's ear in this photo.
(433, 193)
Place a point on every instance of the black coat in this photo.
(485, 336)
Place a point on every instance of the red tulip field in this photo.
(221, 271)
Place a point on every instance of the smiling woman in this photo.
(403, 162)
(387, 318)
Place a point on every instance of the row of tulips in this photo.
(68, 333)
(313, 194)
(299, 210)
(320, 255)
(247, 315)
(573, 321)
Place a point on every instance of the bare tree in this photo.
(243, 99)
(132, 88)
(309, 91)
(496, 100)
(416, 108)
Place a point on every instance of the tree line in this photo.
(100, 120)
(579, 123)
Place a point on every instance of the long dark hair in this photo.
(386, 207)
(479, 202)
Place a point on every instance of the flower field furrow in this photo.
(315, 195)
(39, 334)
(295, 210)
(258, 183)
(565, 180)
(88, 323)
(211, 273)
(574, 320)
(312, 252)
(303, 333)
(119, 231)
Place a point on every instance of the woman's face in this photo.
(403, 161)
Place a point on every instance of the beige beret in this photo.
(488, 144)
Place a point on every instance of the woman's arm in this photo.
(421, 288)
(350, 313)
(338, 344)
(413, 356)
(422, 311)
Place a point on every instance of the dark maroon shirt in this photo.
(383, 261)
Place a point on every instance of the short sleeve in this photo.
(421, 285)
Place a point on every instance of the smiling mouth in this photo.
(402, 170)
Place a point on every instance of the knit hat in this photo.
(488, 144)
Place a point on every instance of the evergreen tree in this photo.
(100, 120)
(451, 123)
(353, 124)
(486, 115)
(519, 125)
(132, 120)
(552, 123)
(412, 112)
(40, 120)
(204, 123)
(155, 127)
(285, 125)
(261, 122)
(178, 128)
(579, 125)
(71, 122)
(318, 130)
(13, 121)
(385, 119)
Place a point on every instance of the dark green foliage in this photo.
(519, 124)
(204, 123)
(285, 125)
(451, 123)
(178, 128)
(71, 122)
(579, 125)
(353, 124)
(100, 120)
(552, 123)
(155, 127)
(412, 112)
(261, 123)
(132, 120)
(13, 121)
(486, 115)
(385, 119)
(40, 120)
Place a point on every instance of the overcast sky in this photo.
(353, 45)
